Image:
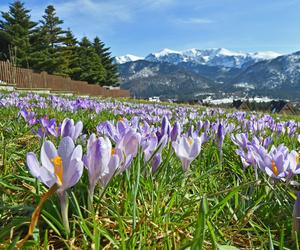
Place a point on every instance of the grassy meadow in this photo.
(216, 203)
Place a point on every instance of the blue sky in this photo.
(143, 26)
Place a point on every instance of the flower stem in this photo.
(64, 205)
(91, 198)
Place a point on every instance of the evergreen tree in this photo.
(51, 31)
(69, 50)
(47, 53)
(111, 70)
(89, 64)
(5, 41)
(16, 28)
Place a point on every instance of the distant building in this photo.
(282, 107)
(241, 105)
(154, 99)
(111, 87)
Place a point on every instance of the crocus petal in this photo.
(74, 173)
(105, 150)
(65, 127)
(176, 130)
(156, 162)
(121, 127)
(48, 152)
(78, 129)
(196, 148)
(33, 164)
(65, 150)
(110, 171)
(91, 140)
(47, 177)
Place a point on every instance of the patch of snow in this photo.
(213, 57)
(165, 52)
(127, 58)
(265, 55)
(244, 85)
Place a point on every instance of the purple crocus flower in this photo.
(206, 125)
(248, 158)
(275, 163)
(145, 129)
(127, 148)
(156, 161)
(294, 167)
(241, 140)
(267, 141)
(187, 149)
(45, 123)
(29, 116)
(63, 166)
(165, 128)
(150, 146)
(115, 133)
(99, 162)
(220, 135)
(69, 129)
(176, 131)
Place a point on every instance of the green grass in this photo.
(214, 204)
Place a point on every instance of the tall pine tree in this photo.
(111, 70)
(69, 51)
(15, 30)
(47, 53)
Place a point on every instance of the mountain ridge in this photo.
(213, 57)
(264, 74)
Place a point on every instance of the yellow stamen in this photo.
(297, 159)
(190, 140)
(58, 169)
(274, 168)
(121, 119)
(113, 151)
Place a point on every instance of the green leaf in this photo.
(225, 247)
(200, 230)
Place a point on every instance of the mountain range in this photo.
(197, 74)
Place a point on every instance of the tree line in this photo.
(46, 46)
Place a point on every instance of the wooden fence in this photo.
(26, 78)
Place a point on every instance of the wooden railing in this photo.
(26, 78)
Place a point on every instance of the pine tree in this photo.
(88, 63)
(47, 53)
(5, 41)
(111, 70)
(16, 27)
(69, 51)
(50, 29)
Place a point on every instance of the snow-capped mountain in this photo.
(127, 58)
(281, 72)
(193, 73)
(212, 57)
